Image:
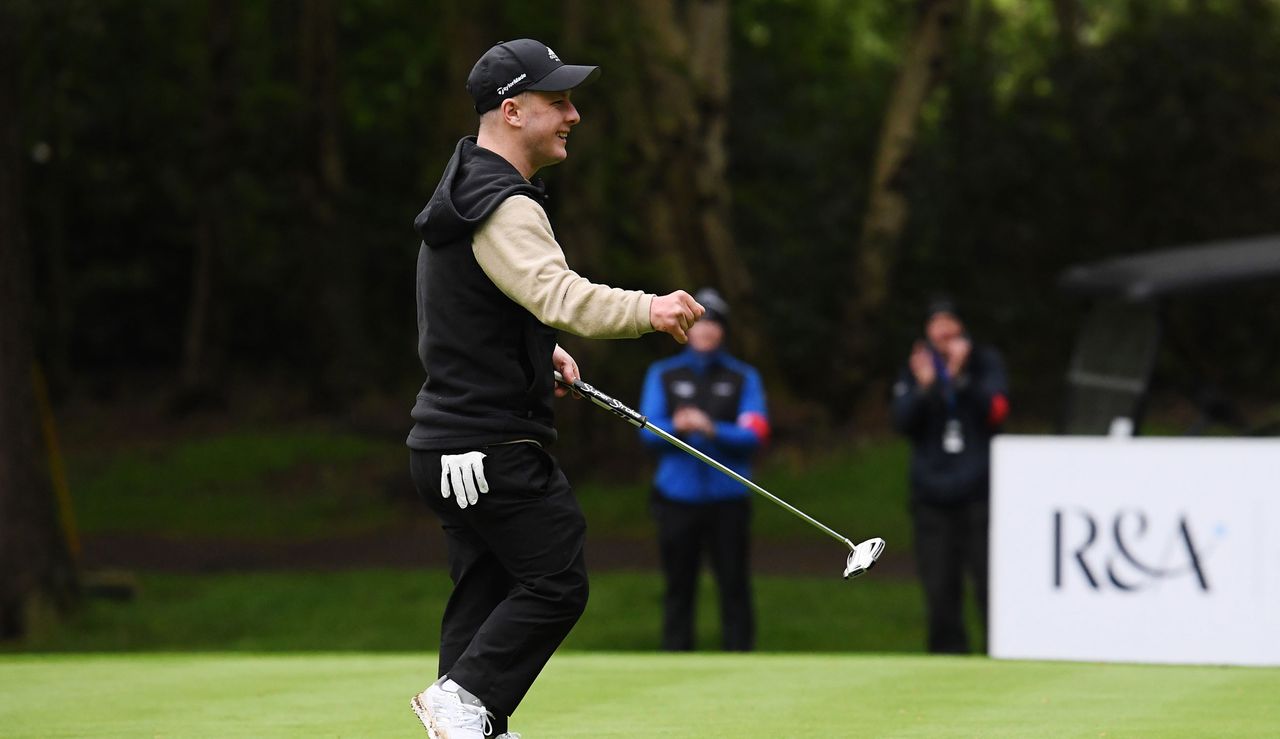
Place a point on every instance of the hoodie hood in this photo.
(475, 182)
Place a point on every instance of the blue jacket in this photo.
(729, 391)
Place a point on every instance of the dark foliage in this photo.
(1166, 130)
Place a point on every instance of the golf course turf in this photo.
(636, 695)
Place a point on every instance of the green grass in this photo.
(246, 484)
(629, 695)
(362, 641)
(301, 482)
(860, 492)
(401, 610)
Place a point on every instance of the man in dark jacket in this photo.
(716, 403)
(949, 401)
(493, 288)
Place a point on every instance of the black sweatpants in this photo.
(519, 578)
(722, 529)
(950, 542)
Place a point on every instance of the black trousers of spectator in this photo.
(519, 577)
(723, 530)
(950, 542)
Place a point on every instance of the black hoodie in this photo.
(488, 360)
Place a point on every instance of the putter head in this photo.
(863, 557)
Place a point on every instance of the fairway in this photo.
(628, 695)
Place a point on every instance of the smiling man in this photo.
(493, 289)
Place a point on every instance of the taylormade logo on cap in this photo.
(552, 54)
(503, 90)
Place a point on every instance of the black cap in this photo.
(511, 67)
(941, 303)
(717, 308)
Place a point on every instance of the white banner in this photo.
(1136, 550)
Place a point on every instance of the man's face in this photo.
(548, 116)
(942, 330)
(705, 336)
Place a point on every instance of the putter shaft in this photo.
(639, 421)
(687, 448)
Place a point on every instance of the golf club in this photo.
(862, 557)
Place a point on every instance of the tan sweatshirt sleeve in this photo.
(517, 249)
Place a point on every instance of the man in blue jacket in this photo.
(715, 403)
(950, 400)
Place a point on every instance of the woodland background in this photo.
(206, 208)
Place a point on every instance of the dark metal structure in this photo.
(1115, 352)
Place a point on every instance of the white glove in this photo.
(462, 476)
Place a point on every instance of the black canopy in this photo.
(1152, 274)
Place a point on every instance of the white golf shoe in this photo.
(446, 716)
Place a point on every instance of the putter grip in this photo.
(606, 402)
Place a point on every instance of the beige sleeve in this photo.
(518, 251)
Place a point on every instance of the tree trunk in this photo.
(319, 73)
(337, 329)
(685, 53)
(709, 63)
(1070, 19)
(197, 381)
(887, 210)
(665, 142)
(47, 66)
(35, 565)
(471, 33)
(659, 115)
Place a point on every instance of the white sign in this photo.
(1136, 550)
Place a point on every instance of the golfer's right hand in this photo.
(674, 313)
(462, 476)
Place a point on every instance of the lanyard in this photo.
(944, 381)
(952, 435)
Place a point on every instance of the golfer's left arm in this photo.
(518, 251)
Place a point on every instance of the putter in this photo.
(862, 557)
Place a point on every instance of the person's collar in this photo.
(703, 360)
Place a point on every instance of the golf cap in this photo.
(511, 67)
(716, 306)
(941, 303)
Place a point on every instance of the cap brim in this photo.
(565, 77)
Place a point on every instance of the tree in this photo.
(197, 385)
(470, 27)
(1069, 16)
(668, 99)
(685, 50)
(888, 208)
(35, 564)
(336, 327)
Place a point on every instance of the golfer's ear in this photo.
(511, 112)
